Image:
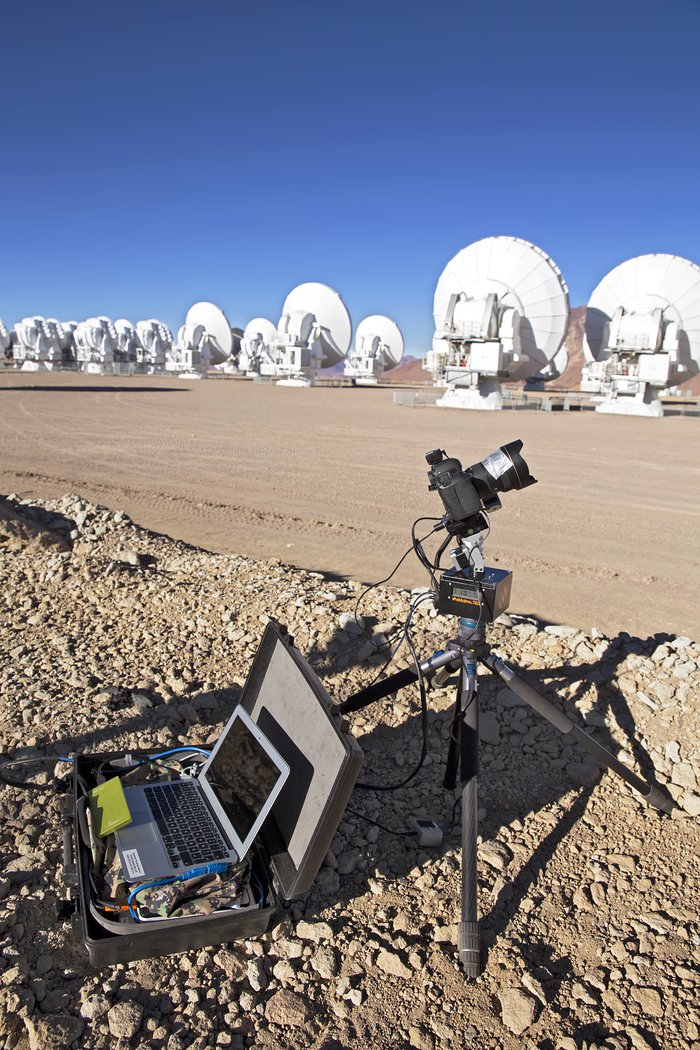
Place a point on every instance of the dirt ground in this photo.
(331, 479)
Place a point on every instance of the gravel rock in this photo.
(518, 1010)
(391, 963)
(587, 896)
(49, 1033)
(287, 1008)
(125, 1019)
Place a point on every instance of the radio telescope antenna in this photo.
(65, 331)
(258, 337)
(314, 332)
(155, 345)
(501, 310)
(38, 344)
(642, 333)
(5, 340)
(378, 347)
(96, 341)
(127, 342)
(218, 332)
(205, 339)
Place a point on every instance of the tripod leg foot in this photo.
(470, 948)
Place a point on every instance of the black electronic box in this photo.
(482, 600)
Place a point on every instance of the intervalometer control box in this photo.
(482, 600)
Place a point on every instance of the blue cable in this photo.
(174, 750)
(193, 873)
(162, 754)
(261, 898)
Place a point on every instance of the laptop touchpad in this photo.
(141, 831)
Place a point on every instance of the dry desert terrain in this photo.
(115, 636)
(331, 480)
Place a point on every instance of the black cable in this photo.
(418, 547)
(386, 579)
(424, 724)
(29, 784)
(414, 605)
(441, 550)
(371, 820)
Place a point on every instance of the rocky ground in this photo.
(114, 637)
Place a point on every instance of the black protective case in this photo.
(296, 714)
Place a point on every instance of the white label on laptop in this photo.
(132, 864)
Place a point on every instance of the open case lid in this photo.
(285, 698)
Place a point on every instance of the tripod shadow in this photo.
(545, 777)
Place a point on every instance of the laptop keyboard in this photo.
(189, 833)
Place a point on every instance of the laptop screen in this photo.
(242, 774)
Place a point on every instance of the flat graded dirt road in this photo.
(331, 479)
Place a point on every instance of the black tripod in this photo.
(463, 654)
(477, 595)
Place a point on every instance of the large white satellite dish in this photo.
(5, 339)
(258, 336)
(501, 310)
(331, 316)
(215, 323)
(95, 343)
(378, 347)
(314, 332)
(127, 341)
(642, 332)
(155, 345)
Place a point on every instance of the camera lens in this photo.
(502, 470)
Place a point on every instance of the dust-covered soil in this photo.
(114, 637)
(331, 480)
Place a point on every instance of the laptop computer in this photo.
(214, 818)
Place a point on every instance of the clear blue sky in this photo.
(157, 153)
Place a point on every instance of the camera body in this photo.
(467, 494)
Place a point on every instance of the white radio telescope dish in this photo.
(501, 310)
(258, 336)
(387, 336)
(214, 322)
(5, 339)
(642, 332)
(378, 347)
(328, 313)
(127, 341)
